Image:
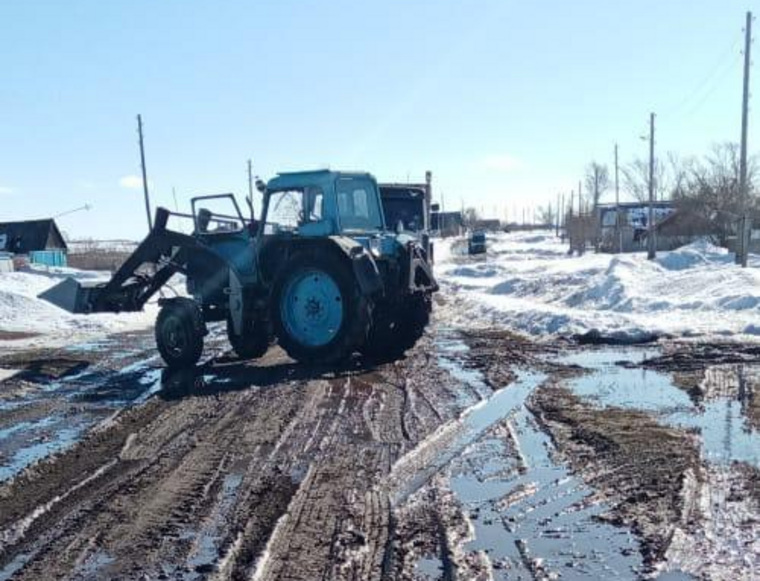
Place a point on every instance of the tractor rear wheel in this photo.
(318, 311)
(179, 333)
(393, 333)
(252, 344)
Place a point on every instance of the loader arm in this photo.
(162, 254)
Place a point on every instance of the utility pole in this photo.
(618, 225)
(581, 223)
(250, 188)
(144, 173)
(569, 224)
(651, 247)
(746, 226)
(562, 214)
(556, 218)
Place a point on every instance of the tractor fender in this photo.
(365, 269)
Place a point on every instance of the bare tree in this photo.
(597, 182)
(636, 179)
(710, 189)
(546, 215)
(471, 216)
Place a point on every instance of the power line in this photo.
(712, 88)
(719, 63)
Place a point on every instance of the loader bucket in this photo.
(72, 295)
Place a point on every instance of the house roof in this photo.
(30, 235)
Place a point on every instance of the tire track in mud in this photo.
(266, 470)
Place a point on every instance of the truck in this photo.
(406, 210)
(319, 272)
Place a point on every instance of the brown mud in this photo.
(272, 470)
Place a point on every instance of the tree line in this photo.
(706, 186)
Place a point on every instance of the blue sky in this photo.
(506, 102)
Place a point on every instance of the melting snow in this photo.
(22, 311)
(528, 282)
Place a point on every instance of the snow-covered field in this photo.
(528, 282)
(21, 310)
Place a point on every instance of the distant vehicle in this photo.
(476, 243)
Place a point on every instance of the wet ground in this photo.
(480, 455)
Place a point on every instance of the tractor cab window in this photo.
(284, 211)
(358, 204)
(314, 199)
(289, 209)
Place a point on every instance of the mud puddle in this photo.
(676, 452)
(615, 379)
(54, 398)
(528, 517)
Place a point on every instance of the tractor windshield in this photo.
(358, 204)
(290, 209)
(284, 211)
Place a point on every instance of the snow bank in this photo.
(528, 282)
(22, 311)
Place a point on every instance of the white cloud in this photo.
(5, 190)
(501, 162)
(132, 182)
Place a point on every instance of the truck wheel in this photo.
(318, 312)
(252, 344)
(179, 333)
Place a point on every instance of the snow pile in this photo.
(528, 282)
(21, 310)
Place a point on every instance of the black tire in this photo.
(356, 309)
(394, 333)
(252, 344)
(179, 333)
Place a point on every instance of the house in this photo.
(486, 224)
(674, 227)
(447, 223)
(39, 240)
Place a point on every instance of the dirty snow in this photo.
(528, 282)
(22, 311)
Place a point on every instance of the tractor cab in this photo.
(322, 203)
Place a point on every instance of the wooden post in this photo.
(144, 173)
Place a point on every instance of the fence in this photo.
(48, 257)
(582, 231)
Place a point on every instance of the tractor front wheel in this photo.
(179, 333)
(318, 311)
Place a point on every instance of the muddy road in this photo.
(480, 455)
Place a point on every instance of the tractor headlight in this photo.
(375, 246)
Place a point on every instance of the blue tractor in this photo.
(319, 272)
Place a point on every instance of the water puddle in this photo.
(721, 419)
(429, 568)
(8, 373)
(74, 402)
(207, 540)
(529, 515)
(536, 519)
(38, 448)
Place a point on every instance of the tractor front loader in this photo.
(318, 272)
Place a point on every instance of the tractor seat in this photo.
(202, 221)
